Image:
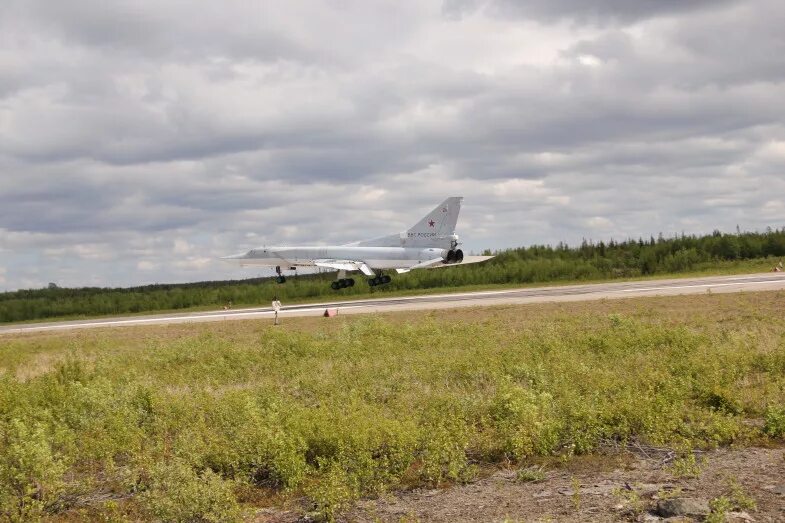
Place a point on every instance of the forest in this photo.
(534, 264)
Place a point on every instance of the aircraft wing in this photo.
(345, 265)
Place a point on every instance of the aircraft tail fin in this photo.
(440, 222)
(436, 229)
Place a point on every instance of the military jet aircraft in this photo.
(430, 243)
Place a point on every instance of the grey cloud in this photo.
(579, 11)
(718, 48)
(177, 30)
(137, 144)
(147, 29)
(738, 46)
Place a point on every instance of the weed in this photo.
(686, 466)
(110, 512)
(669, 493)
(631, 499)
(739, 497)
(530, 475)
(719, 510)
(575, 498)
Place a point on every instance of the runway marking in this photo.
(639, 289)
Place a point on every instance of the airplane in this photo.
(430, 243)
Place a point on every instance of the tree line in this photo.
(533, 264)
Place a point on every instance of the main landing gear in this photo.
(342, 283)
(381, 279)
(454, 256)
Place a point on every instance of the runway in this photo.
(596, 291)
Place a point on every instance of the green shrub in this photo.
(31, 473)
(177, 493)
(774, 425)
(444, 439)
(331, 491)
(248, 441)
(526, 422)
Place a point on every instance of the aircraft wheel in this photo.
(350, 282)
(371, 282)
(344, 283)
(450, 256)
(281, 279)
(335, 285)
(458, 256)
(385, 279)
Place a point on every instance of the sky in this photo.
(140, 140)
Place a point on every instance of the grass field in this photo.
(210, 422)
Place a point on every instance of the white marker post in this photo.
(276, 308)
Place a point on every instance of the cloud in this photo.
(139, 143)
(579, 11)
(145, 265)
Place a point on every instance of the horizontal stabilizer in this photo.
(422, 265)
(466, 259)
(475, 259)
(439, 262)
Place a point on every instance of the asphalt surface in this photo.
(673, 287)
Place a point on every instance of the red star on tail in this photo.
(431, 223)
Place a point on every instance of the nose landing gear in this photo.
(281, 278)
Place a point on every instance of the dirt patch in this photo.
(620, 487)
(573, 493)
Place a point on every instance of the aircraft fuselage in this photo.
(374, 257)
